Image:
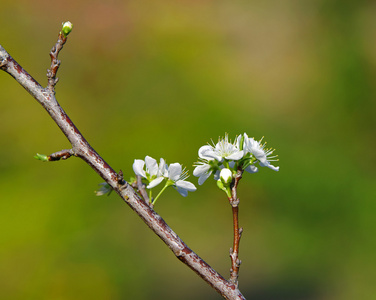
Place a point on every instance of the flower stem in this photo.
(162, 190)
(226, 164)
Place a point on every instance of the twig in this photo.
(82, 149)
(63, 154)
(234, 251)
(141, 189)
(55, 63)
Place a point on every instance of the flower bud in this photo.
(226, 176)
(67, 28)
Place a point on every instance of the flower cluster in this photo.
(154, 174)
(222, 159)
(224, 156)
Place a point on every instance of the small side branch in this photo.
(141, 189)
(55, 63)
(63, 154)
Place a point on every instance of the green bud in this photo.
(67, 28)
(41, 157)
(221, 186)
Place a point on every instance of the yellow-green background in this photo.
(162, 78)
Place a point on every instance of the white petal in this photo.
(237, 141)
(200, 170)
(250, 144)
(203, 150)
(267, 164)
(251, 169)
(246, 139)
(151, 165)
(273, 168)
(174, 171)
(163, 168)
(203, 178)
(155, 182)
(182, 192)
(207, 152)
(216, 175)
(236, 156)
(189, 186)
(138, 167)
(259, 154)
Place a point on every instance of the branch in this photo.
(234, 252)
(141, 189)
(82, 149)
(55, 63)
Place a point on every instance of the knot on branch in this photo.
(120, 179)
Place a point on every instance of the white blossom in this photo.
(258, 150)
(211, 157)
(226, 150)
(204, 168)
(177, 177)
(152, 172)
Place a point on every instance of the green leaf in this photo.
(41, 157)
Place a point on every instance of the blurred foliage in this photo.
(162, 79)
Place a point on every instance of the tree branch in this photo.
(82, 149)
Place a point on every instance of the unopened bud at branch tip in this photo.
(67, 28)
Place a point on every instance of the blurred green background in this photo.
(162, 78)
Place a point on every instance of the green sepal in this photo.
(221, 186)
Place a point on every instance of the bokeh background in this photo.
(162, 78)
